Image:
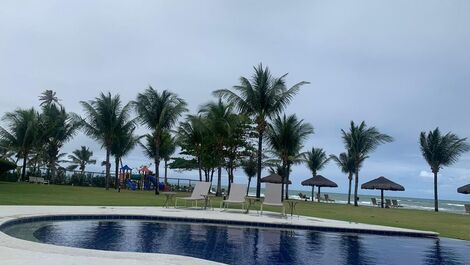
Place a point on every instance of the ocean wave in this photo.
(454, 204)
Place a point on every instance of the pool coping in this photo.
(10, 215)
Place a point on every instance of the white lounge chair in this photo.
(467, 208)
(388, 203)
(272, 197)
(237, 195)
(327, 198)
(200, 193)
(396, 204)
(374, 201)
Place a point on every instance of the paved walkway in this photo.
(15, 251)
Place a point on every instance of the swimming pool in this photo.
(241, 245)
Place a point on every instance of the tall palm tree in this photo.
(103, 115)
(285, 136)
(316, 160)
(159, 112)
(346, 163)
(261, 97)
(360, 141)
(57, 128)
(80, 158)
(167, 149)
(249, 167)
(124, 141)
(221, 121)
(191, 138)
(441, 150)
(21, 133)
(48, 97)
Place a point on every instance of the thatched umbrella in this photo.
(382, 183)
(318, 181)
(464, 189)
(274, 178)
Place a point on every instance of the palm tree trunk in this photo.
(219, 182)
(349, 191)
(199, 166)
(23, 173)
(157, 173)
(356, 185)
(318, 194)
(248, 188)
(260, 157)
(166, 173)
(287, 181)
(436, 200)
(116, 183)
(108, 165)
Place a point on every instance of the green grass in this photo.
(447, 224)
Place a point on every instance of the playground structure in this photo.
(144, 180)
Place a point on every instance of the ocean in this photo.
(407, 203)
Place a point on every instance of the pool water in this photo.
(244, 245)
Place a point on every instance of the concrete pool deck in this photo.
(15, 251)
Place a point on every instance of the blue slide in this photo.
(130, 184)
(154, 182)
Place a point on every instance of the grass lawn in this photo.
(447, 224)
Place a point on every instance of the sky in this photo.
(402, 66)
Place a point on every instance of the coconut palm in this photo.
(80, 158)
(346, 163)
(124, 141)
(249, 167)
(285, 136)
(441, 150)
(103, 115)
(360, 141)
(21, 133)
(168, 148)
(57, 128)
(316, 160)
(261, 97)
(159, 112)
(190, 137)
(48, 97)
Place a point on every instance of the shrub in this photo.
(6, 166)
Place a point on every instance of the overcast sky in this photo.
(402, 66)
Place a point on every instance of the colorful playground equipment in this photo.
(144, 180)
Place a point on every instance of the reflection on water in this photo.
(238, 245)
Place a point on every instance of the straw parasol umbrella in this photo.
(382, 183)
(274, 178)
(318, 181)
(464, 189)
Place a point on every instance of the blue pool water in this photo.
(244, 245)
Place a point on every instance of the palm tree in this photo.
(360, 141)
(103, 115)
(57, 128)
(22, 133)
(346, 163)
(441, 150)
(250, 167)
(81, 158)
(159, 112)
(190, 137)
(124, 141)
(262, 97)
(48, 97)
(168, 148)
(285, 136)
(316, 160)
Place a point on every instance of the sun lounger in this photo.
(200, 193)
(38, 180)
(273, 197)
(237, 195)
(395, 203)
(327, 198)
(467, 208)
(388, 203)
(374, 202)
